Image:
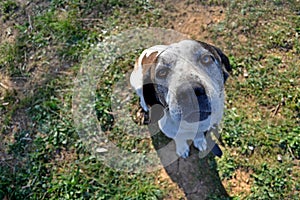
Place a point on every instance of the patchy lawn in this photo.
(42, 45)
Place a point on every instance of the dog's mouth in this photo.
(196, 116)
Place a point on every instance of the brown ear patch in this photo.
(148, 61)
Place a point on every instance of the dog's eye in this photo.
(207, 59)
(162, 73)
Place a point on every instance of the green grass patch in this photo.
(262, 116)
(7, 9)
(48, 161)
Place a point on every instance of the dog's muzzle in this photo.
(194, 102)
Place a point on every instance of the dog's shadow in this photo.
(197, 177)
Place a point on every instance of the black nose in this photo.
(199, 91)
(194, 102)
(185, 93)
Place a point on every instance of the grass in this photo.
(47, 160)
(262, 116)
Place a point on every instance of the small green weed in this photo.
(9, 58)
(271, 183)
(7, 9)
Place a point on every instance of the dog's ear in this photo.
(226, 64)
(148, 65)
(141, 76)
(156, 110)
(142, 80)
(224, 59)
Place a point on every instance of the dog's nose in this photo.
(190, 91)
(194, 102)
(199, 91)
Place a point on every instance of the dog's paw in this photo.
(200, 143)
(183, 150)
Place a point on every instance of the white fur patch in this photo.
(136, 77)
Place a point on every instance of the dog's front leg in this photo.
(182, 147)
(200, 141)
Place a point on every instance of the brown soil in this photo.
(193, 19)
(240, 184)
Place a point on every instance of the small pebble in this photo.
(101, 150)
(279, 158)
(251, 148)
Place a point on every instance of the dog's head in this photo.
(185, 79)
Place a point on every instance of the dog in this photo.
(181, 86)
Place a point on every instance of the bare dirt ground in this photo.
(193, 19)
